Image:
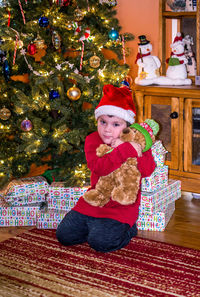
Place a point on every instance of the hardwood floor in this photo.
(183, 228)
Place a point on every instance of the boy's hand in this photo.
(115, 142)
(137, 147)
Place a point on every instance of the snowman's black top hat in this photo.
(143, 40)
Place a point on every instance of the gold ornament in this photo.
(39, 42)
(94, 61)
(78, 15)
(69, 26)
(74, 93)
(5, 114)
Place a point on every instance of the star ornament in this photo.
(59, 67)
(70, 65)
(23, 51)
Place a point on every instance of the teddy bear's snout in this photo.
(126, 130)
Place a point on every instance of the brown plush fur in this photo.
(123, 183)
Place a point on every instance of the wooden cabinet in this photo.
(186, 22)
(177, 110)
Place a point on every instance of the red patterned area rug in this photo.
(35, 264)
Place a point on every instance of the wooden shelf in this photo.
(179, 14)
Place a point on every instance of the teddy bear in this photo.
(123, 183)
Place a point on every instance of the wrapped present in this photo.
(62, 204)
(58, 190)
(157, 180)
(64, 198)
(157, 221)
(3, 202)
(25, 187)
(158, 201)
(159, 153)
(49, 219)
(28, 200)
(18, 216)
(47, 225)
(17, 222)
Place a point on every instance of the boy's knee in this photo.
(60, 236)
(68, 237)
(102, 243)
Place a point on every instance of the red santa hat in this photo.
(177, 40)
(116, 102)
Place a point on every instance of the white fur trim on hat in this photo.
(126, 115)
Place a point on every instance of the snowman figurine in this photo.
(176, 70)
(148, 65)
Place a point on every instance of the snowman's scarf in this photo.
(139, 56)
(178, 55)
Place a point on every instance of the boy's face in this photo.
(110, 127)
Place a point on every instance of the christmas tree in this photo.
(54, 63)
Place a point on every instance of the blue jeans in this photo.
(102, 234)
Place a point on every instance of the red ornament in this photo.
(63, 2)
(32, 49)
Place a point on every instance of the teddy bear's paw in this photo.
(95, 198)
(104, 201)
(131, 161)
(91, 197)
(102, 150)
(122, 198)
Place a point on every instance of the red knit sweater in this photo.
(105, 165)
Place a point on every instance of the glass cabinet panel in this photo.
(160, 113)
(196, 136)
(192, 136)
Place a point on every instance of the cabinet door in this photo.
(165, 110)
(192, 136)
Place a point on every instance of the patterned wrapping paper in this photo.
(18, 216)
(157, 180)
(58, 190)
(159, 200)
(28, 200)
(160, 206)
(64, 198)
(25, 187)
(62, 204)
(47, 225)
(49, 219)
(159, 153)
(156, 222)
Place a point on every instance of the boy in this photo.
(112, 226)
